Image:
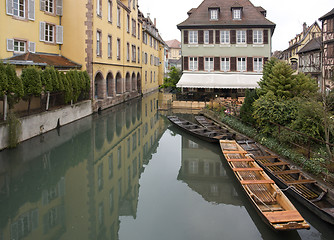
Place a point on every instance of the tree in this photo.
(173, 78)
(247, 109)
(3, 80)
(46, 80)
(31, 83)
(15, 87)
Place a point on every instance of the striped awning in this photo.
(219, 80)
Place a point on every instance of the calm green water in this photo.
(128, 174)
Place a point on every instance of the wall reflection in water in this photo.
(77, 182)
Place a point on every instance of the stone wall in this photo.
(35, 125)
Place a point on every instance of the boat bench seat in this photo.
(284, 216)
(302, 181)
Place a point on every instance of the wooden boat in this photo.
(198, 131)
(270, 202)
(306, 190)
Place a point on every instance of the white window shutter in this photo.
(10, 45)
(59, 34)
(42, 5)
(59, 7)
(32, 47)
(42, 31)
(31, 10)
(9, 7)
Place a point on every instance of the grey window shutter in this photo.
(42, 5)
(59, 34)
(10, 45)
(42, 31)
(32, 47)
(31, 10)
(9, 7)
(59, 7)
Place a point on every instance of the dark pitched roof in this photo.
(43, 59)
(250, 16)
(312, 45)
(327, 15)
(173, 43)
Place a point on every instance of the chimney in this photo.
(155, 22)
(304, 28)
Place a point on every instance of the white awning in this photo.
(219, 80)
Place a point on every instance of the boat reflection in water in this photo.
(77, 182)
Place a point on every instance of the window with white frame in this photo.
(109, 46)
(193, 64)
(109, 11)
(241, 64)
(118, 50)
(49, 32)
(118, 17)
(49, 6)
(258, 36)
(236, 14)
(225, 64)
(193, 37)
(241, 36)
(214, 14)
(258, 64)
(98, 7)
(224, 36)
(98, 43)
(19, 7)
(208, 64)
(19, 46)
(206, 37)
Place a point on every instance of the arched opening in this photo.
(98, 84)
(139, 82)
(119, 122)
(110, 128)
(128, 117)
(110, 85)
(99, 134)
(134, 82)
(127, 82)
(119, 83)
(134, 113)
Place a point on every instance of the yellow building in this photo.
(119, 47)
(290, 54)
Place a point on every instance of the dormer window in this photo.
(213, 14)
(236, 14)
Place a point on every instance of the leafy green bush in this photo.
(247, 109)
(3, 80)
(31, 83)
(15, 87)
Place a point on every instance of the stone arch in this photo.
(119, 83)
(127, 82)
(138, 82)
(134, 82)
(110, 85)
(99, 86)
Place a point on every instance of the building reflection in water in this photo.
(76, 183)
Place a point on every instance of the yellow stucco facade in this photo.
(105, 37)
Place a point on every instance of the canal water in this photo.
(128, 174)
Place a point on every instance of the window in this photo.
(19, 8)
(224, 37)
(118, 17)
(225, 64)
(127, 52)
(49, 32)
(119, 157)
(214, 14)
(138, 55)
(258, 36)
(109, 46)
(128, 23)
(241, 36)
(138, 30)
(193, 64)
(98, 43)
(193, 37)
(206, 37)
(134, 27)
(151, 82)
(49, 6)
(258, 64)
(208, 64)
(109, 11)
(134, 57)
(118, 50)
(134, 4)
(241, 64)
(100, 176)
(98, 7)
(19, 46)
(236, 14)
